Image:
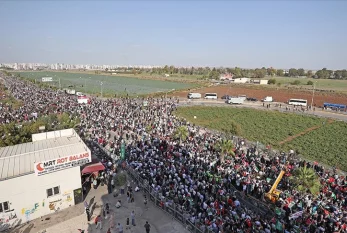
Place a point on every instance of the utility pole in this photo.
(314, 86)
(101, 88)
(59, 84)
(85, 84)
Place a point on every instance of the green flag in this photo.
(122, 151)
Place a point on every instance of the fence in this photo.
(182, 216)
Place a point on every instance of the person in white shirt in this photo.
(118, 204)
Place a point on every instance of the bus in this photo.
(298, 102)
(211, 96)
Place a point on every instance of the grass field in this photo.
(323, 84)
(324, 143)
(90, 83)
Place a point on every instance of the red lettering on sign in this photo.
(62, 160)
(77, 157)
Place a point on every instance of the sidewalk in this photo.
(73, 218)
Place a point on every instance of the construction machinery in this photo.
(274, 194)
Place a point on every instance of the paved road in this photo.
(258, 105)
(73, 218)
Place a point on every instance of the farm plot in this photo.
(314, 138)
(256, 125)
(110, 85)
(325, 144)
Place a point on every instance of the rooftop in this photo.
(19, 160)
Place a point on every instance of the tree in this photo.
(260, 73)
(309, 74)
(226, 148)
(181, 133)
(306, 180)
(280, 73)
(293, 72)
(237, 72)
(309, 83)
(271, 71)
(301, 72)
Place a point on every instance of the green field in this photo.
(324, 144)
(323, 84)
(90, 83)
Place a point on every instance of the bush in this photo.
(272, 81)
(296, 82)
(309, 83)
(120, 179)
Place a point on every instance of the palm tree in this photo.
(305, 179)
(181, 133)
(226, 148)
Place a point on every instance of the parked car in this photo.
(252, 99)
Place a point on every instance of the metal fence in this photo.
(182, 216)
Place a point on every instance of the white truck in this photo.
(235, 100)
(267, 99)
(70, 91)
(194, 96)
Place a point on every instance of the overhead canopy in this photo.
(93, 168)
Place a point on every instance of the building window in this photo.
(4, 206)
(53, 191)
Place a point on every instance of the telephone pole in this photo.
(314, 86)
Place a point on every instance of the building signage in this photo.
(47, 79)
(45, 167)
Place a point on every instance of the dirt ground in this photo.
(280, 95)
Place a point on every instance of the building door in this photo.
(78, 196)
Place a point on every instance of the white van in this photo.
(268, 99)
(235, 100)
(194, 96)
(79, 94)
(211, 96)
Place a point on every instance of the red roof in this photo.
(93, 168)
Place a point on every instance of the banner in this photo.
(45, 167)
(296, 215)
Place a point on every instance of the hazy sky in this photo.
(308, 34)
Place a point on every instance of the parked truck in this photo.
(235, 100)
(267, 99)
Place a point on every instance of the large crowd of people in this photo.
(188, 173)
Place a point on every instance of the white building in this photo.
(41, 177)
(241, 80)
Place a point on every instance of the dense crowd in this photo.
(189, 173)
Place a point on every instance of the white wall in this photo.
(264, 82)
(53, 134)
(28, 199)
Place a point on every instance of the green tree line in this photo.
(215, 72)
(12, 134)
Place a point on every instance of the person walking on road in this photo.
(132, 215)
(120, 228)
(147, 227)
(145, 202)
(98, 222)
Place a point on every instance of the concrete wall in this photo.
(28, 199)
(53, 134)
